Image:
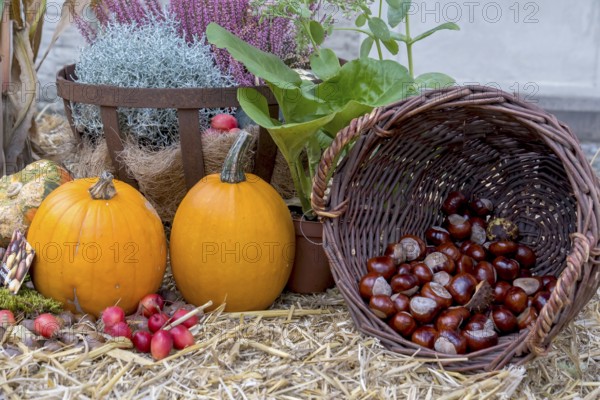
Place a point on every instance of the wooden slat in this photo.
(191, 146)
(114, 140)
(266, 150)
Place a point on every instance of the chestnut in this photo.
(530, 285)
(478, 322)
(382, 306)
(540, 299)
(422, 272)
(506, 269)
(449, 319)
(429, 250)
(515, 300)
(414, 247)
(527, 318)
(442, 277)
(407, 284)
(504, 320)
(525, 256)
(437, 292)
(425, 336)
(383, 265)
(396, 252)
(439, 262)
(423, 309)
(500, 291)
(476, 251)
(401, 302)
(403, 323)
(480, 339)
(502, 229)
(481, 207)
(458, 226)
(462, 311)
(450, 342)
(404, 269)
(449, 249)
(503, 248)
(462, 287)
(373, 282)
(464, 265)
(525, 273)
(454, 203)
(549, 282)
(437, 235)
(478, 234)
(485, 271)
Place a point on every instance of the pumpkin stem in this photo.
(104, 189)
(233, 168)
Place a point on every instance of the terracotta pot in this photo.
(311, 272)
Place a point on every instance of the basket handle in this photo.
(560, 296)
(324, 172)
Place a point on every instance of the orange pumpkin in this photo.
(232, 239)
(98, 243)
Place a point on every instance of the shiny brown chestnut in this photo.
(425, 336)
(449, 249)
(476, 251)
(449, 319)
(525, 273)
(480, 339)
(382, 306)
(462, 287)
(527, 318)
(506, 268)
(515, 300)
(438, 293)
(500, 290)
(372, 281)
(404, 269)
(504, 320)
(439, 261)
(422, 272)
(429, 250)
(464, 265)
(423, 309)
(458, 226)
(525, 256)
(478, 234)
(462, 311)
(503, 248)
(383, 265)
(549, 282)
(403, 323)
(437, 235)
(396, 252)
(481, 207)
(478, 322)
(442, 277)
(401, 302)
(450, 342)
(540, 299)
(531, 285)
(485, 271)
(454, 203)
(407, 284)
(414, 247)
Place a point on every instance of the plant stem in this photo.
(379, 52)
(355, 30)
(380, 8)
(409, 47)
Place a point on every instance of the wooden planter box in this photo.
(187, 101)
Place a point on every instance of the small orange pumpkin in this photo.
(97, 246)
(232, 239)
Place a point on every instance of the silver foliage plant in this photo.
(146, 56)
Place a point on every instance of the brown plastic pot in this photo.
(311, 272)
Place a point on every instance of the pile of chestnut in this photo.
(467, 283)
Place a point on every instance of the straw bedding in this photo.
(306, 347)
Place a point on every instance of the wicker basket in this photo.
(408, 156)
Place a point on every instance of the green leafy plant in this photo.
(314, 111)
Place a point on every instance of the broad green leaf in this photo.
(264, 65)
(365, 9)
(448, 25)
(392, 46)
(366, 46)
(399, 37)
(343, 117)
(397, 10)
(361, 20)
(379, 28)
(317, 32)
(325, 64)
(434, 80)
